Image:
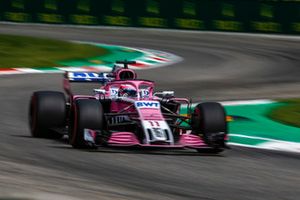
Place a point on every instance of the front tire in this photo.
(85, 114)
(47, 110)
(209, 120)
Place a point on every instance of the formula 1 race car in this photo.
(125, 111)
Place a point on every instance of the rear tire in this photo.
(86, 113)
(209, 119)
(47, 110)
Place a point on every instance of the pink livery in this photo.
(126, 111)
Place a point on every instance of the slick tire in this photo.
(209, 119)
(47, 111)
(85, 114)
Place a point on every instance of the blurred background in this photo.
(219, 63)
(268, 16)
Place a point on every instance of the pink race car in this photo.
(125, 111)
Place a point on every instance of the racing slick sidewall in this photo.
(85, 114)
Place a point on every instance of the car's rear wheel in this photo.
(209, 120)
(85, 114)
(47, 112)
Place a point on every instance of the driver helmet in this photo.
(127, 91)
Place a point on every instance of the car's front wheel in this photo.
(85, 114)
(209, 120)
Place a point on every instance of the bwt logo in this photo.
(147, 104)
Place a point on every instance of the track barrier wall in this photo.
(264, 16)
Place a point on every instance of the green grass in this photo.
(20, 51)
(288, 113)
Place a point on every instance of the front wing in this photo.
(128, 139)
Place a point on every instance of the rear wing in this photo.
(88, 77)
(122, 73)
(85, 77)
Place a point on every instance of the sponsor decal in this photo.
(147, 104)
(119, 119)
(113, 92)
(144, 93)
(158, 134)
(83, 75)
(87, 76)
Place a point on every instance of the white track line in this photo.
(244, 102)
(291, 147)
(247, 102)
(269, 144)
(256, 138)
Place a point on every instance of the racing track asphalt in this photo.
(215, 67)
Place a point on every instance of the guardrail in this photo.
(268, 16)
